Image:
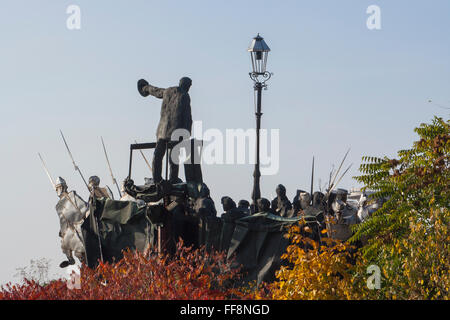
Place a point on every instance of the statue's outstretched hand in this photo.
(141, 84)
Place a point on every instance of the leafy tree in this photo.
(409, 236)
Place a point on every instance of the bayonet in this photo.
(67, 197)
(339, 180)
(312, 178)
(329, 180)
(47, 172)
(73, 161)
(110, 169)
(145, 159)
(91, 192)
(339, 169)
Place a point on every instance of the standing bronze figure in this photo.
(175, 114)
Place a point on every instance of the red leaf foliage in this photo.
(188, 274)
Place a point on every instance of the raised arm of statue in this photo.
(154, 91)
(146, 89)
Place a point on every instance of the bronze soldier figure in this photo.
(281, 204)
(96, 190)
(175, 114)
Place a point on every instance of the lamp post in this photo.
(259, 51)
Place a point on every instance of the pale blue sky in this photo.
(336, 85)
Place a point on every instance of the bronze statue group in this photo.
(172, 209)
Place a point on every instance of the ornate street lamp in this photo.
(259, 51)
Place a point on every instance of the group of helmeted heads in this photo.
(282, 206)
(61, 185)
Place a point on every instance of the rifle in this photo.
(312, 179)
(73, 161)
(332, 184)
(90, 192)
(47, 172)
(67, 197)
(110, 170)
(145, 159)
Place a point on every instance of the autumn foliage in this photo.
(409, 237)
(408, 240)
(189, 274)
(314, 270)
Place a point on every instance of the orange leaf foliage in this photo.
(189, 274)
